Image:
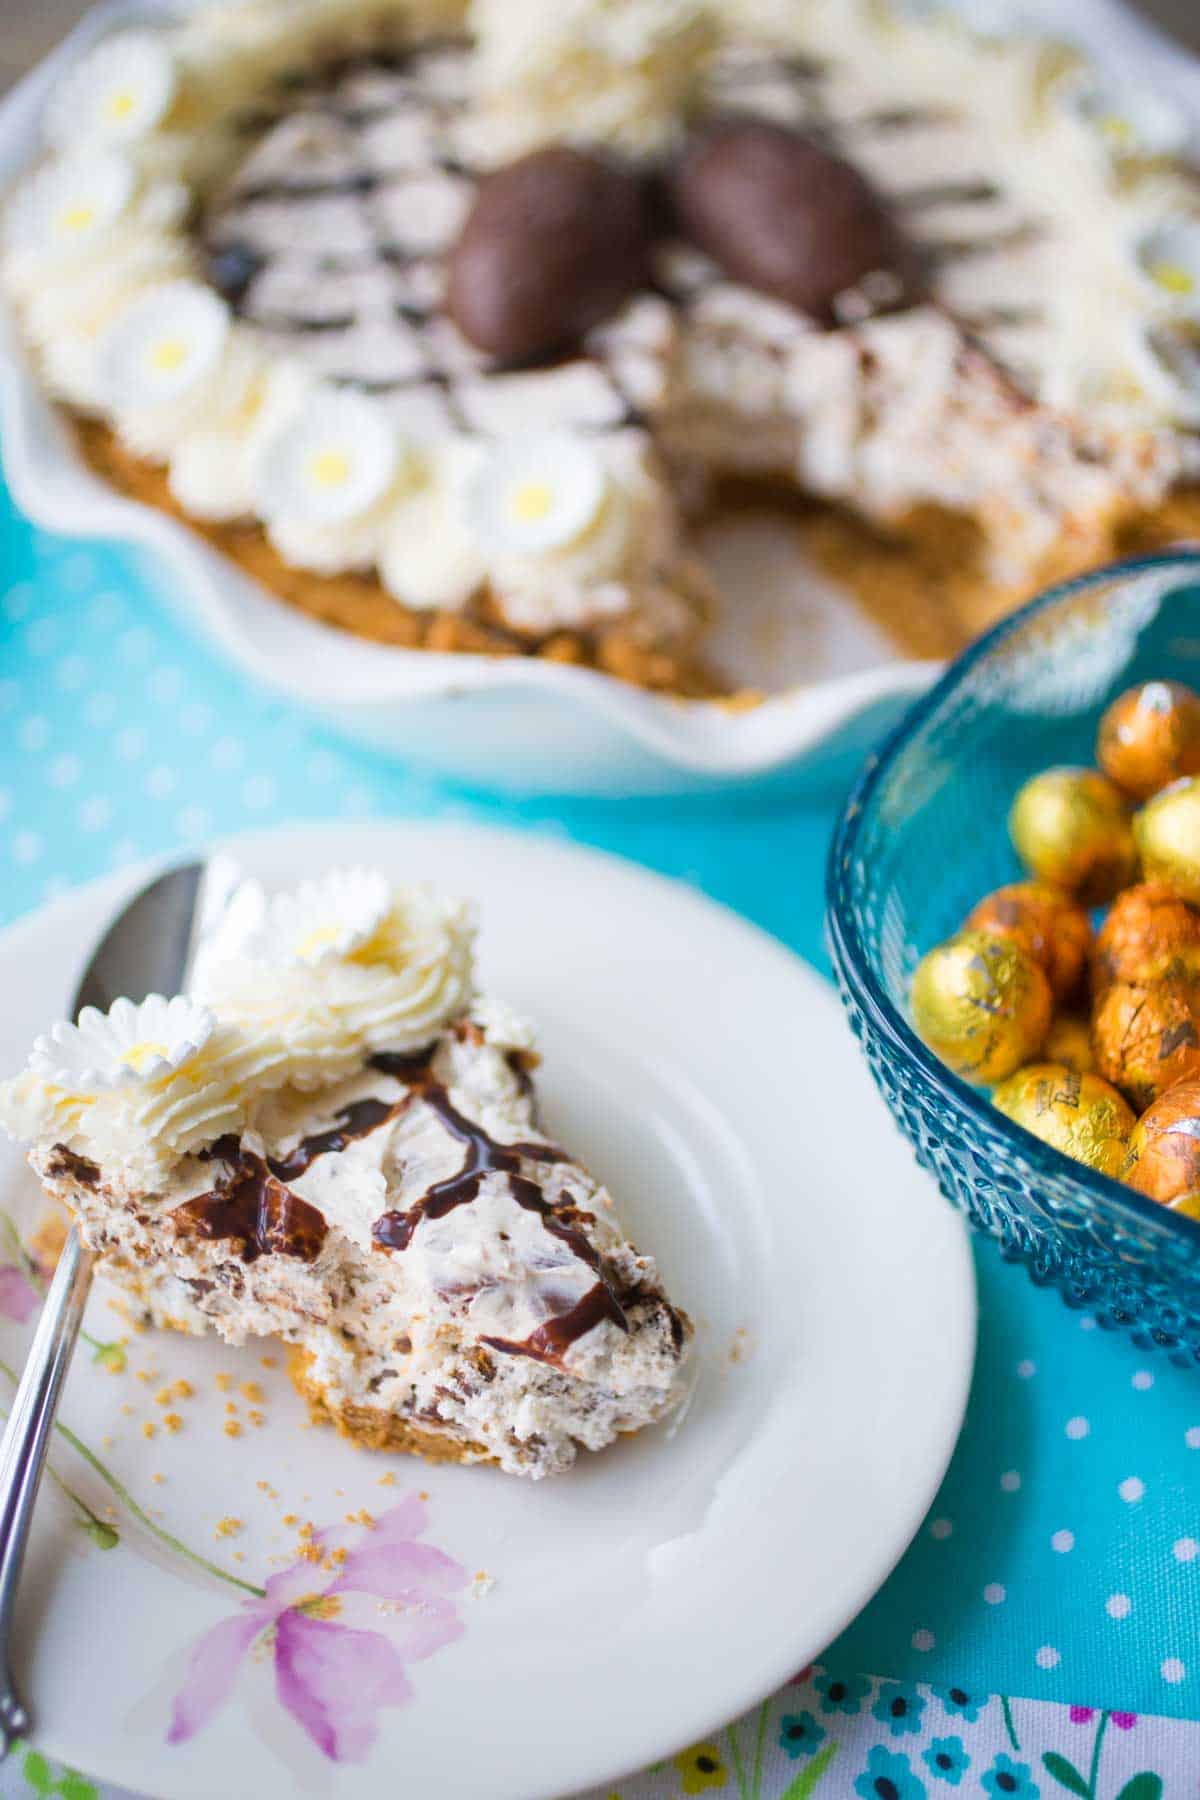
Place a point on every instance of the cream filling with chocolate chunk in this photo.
(453, 1280)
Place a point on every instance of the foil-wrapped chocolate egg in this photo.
(552, 246)
(777, 211)
(1071, 829)
(1150, 737)
(1150, 935)
(1081, 1115)
(1056, 932)
(1146, 1038)
(1188, 1205)
(1069, 1040)
(982, 1004)
(1164, 1146)
(1167, 832)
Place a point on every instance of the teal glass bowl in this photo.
(923, 837)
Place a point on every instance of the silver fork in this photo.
(147, 949)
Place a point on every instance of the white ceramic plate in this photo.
(659, 1588)
(520, 723)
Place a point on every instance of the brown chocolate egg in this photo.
(1146, 1038)
(552, 246)
(1071, 829)
(1055, 931)
(1150, 737)
(1081, 1115)
(1164, 1146)
(1069, 1041)
(1167, 832)
(982, 1004)
(777, 211)
(1150, 935)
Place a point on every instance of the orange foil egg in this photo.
(1150, 737)
(1046, 922)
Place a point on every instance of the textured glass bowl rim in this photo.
(851, 955)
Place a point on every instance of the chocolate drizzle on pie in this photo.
(485, 1156)
(249, 1202)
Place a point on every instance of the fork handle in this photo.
(23, 1450)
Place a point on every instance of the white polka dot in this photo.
(165, 685)
(1131, 1489)
(258, 792)
(1026, 1368)
(71, 673)
(106, 610)
(195, 718)
(321, 766)
(1010, 1481)
(994, 1594)
(1185, 1550)
(42, 636)
(228, 754)
(923, 1640)
(123, 851)
(33, 733)
(17, 604)
(1173, 1670)
(135, 645)
(1142, 1380)
(1047, 1657)
(1078, 1427)
(940, 1529)
(78, 571)
(1087, 1323)
(160, 782)
(95, 813)
(101, 709)
(27, 847)
(65, 770)
(1062, 1541)
(193, 822)
(1118, 1606)
(131, 743)
(1191, 1437)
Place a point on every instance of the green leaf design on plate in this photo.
(74, 1786)
(807, 1779)
(1145, 1786)
(102, 1535)
(36, 1771)
(1069, 1775)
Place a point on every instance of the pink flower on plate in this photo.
(19, 1299)
(333, 1678)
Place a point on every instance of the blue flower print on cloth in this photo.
(946, 1759)
(899, 1707)
(842, 1693)
(1009, 1780)
(889, 1776)
(800, 1735)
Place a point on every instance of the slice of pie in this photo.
(341, 1149)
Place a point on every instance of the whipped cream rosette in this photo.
(118, 92)
(429, 557)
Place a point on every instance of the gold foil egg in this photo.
(1071, 829)
(1150, 935)
(1081, 1115)
(1167, 832)
(1164, 1147)
(1150, 737)
(1069, 1040)
(1145, 1038)
(1046, 922)
(982, 1004)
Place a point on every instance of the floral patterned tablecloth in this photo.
(1061, 1560)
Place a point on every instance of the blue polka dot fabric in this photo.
(1061, 1561)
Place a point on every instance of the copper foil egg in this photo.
(1046, 922)
(1150, 737)
(1081, 1115)
(982, 1004)
(1145, 1038)
(1164, 1146)
(1167, 832)
(1069, 1041)
(1150, 935)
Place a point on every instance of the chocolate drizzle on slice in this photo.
(355, 1121)
(485, 1156)
(247, 1201)
(79, 1169)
